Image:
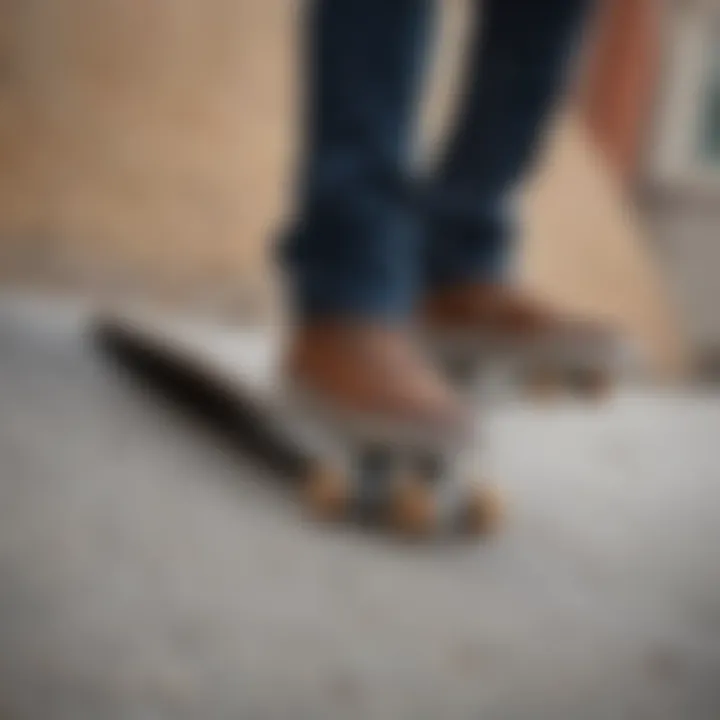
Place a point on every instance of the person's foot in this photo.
(496, 310)
(478, 321)
(375, 375)
(503, 316)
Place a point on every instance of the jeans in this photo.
(371, 234)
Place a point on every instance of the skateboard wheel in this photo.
(413, 510)
(484, 510)
(327, 493)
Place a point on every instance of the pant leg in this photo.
(354, 248)
(519, 55)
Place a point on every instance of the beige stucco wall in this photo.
(147, 144)
(142, 141)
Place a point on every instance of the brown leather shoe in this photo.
(500, 310)
(541, 347)
(504, 316)
(374, 374)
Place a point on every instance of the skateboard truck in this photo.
(383, 488)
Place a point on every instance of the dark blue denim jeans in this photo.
(371, 234)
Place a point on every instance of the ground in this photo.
(147, 571)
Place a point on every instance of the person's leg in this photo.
(353, 250)
(519, 57)
(521, 54)
(353, 254)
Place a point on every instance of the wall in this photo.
(143, 142)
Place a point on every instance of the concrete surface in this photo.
(148, 572)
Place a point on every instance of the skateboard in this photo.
(231, 380)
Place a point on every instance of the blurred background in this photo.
(146, 571)
(147, 148)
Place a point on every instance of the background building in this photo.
(145, 149)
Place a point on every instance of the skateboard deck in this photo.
(224, 377)
(231, 378)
